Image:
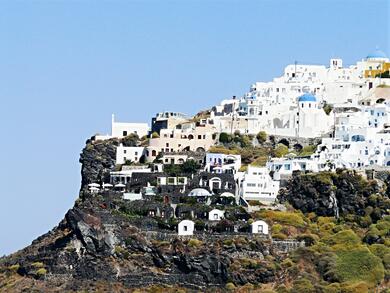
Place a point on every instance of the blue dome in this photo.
(307, 98)
(376, 54)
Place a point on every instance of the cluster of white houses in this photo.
(187, 227)
(355, 128)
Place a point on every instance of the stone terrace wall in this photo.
(280, 246)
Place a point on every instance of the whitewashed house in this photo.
(122, 129)
(222, 163)
(185, 228)
(132, 154)
(216, 215)
(259, 227)
(284, 167)
(257, 184)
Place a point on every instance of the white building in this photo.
(222, 163)
(132, 154)
(216, 215)
(259, 227)
(122, 129)
(125, 174)
(185, 228)
(284, 167)
(292, 104)
(257, 184)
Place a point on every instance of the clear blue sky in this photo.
(65, 66)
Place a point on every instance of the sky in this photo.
(66, 66)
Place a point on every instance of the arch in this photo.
(215, 183)
(190, 136)
(187, 149)
(277, 123)
(154, 153)
(200, 150)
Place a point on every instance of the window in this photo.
(185, 228)
(215, 216)
(124, 151)
(124, 133)
(199, 137)
(260, 229)
(136, 153)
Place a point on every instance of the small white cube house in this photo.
(185, 227)
(216, 215)
(259, 227)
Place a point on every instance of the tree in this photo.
(261, 137)
(280, 150)
(327, 108)
(130, 140)
(225, 138)
(190, 167)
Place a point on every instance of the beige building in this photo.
(199, 136)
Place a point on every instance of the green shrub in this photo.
(379, 250)
(286, 218)
(261, 137)
(287, 263)
(228, 242)
(41, 272)
(155, 135)
(359, 287)
(230, 286)
(14, 268)
(38, 264)
(280, 151)
(307, 150)
(193, 242)
(279, 236)
(343, 239)
(302, 286)
(359, 264)
(332, 288)
(122, 252)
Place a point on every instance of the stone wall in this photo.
(279, 246)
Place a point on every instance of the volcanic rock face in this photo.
(97, 160)
(89, 246)
(329, 194)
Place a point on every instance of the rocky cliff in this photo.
(96, 246)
